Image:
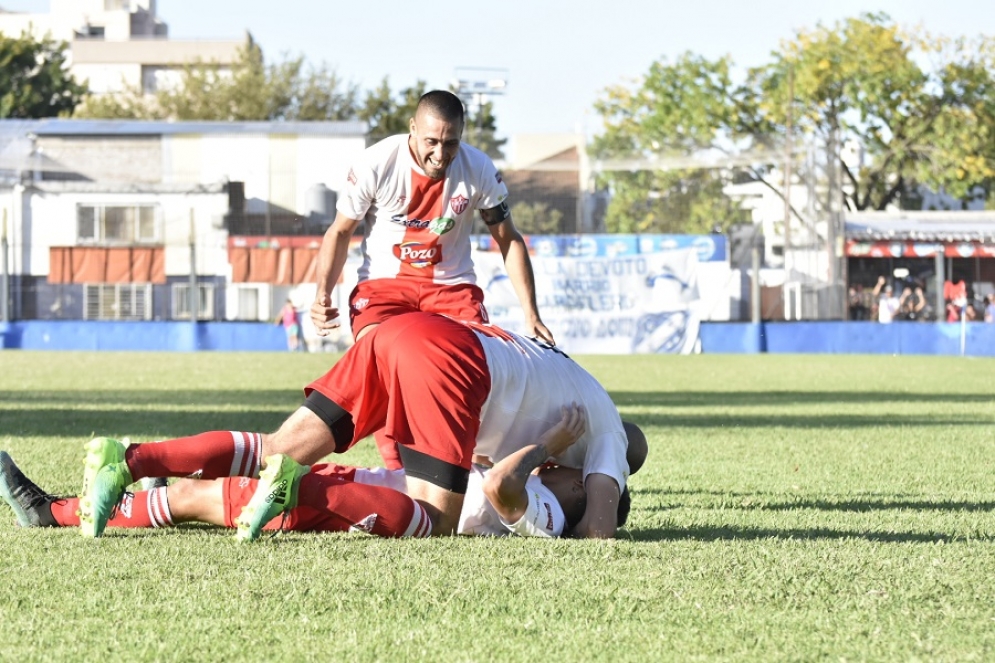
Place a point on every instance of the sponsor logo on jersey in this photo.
(442, 225)
(459, 203)
(549, 516)
(497, 176)
(351, 177)
(418, 254)
(361, 303)
(401, 199)
(402, 220)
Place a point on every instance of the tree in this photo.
(862, 80)
(920, 107)
(536, 218)
(680, 109)
(386, 115)
(35, 79)
(480, 130)
(252, 90)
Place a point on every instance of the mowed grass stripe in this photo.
(792, 508)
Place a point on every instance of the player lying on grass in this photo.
(518, 495)
(442, 390)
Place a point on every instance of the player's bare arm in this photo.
(600, 518)
(504, 485)
(518, 265)
(331, 260)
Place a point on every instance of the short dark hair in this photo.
(624, 504)
(443, 104)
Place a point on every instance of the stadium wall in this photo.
(726, 337)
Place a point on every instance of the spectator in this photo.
(912, 303)
(857, 303)
(888, 304)
(288, 319)
(990, 308)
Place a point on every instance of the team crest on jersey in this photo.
(352, 177)
(442, 225)
(365, 525)
(497, 176)
(459, 203)
(418, 254)
(402, 199)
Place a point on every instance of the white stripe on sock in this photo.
(236, 462)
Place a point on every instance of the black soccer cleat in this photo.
(31, 504)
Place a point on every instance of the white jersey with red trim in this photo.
(543, 517)
(417, 227)
(530, 382)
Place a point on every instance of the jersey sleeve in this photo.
(493, 190)
(606, 455)
(543, 517)
(360, 188)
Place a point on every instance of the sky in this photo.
(557, 56)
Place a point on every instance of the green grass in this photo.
(792, 508)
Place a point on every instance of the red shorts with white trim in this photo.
(237, 491)
(421, 377)
(371, 302)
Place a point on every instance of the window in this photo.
(117, 224)
(248, 304)
(181, 301)
(120, 301)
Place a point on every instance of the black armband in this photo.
(496, 215)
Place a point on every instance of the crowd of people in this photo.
(884, 303)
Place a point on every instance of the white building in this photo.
(101, 215)
(117, 45)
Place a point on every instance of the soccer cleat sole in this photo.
(100, 452)
(5, 463)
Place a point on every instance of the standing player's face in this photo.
(434, 143)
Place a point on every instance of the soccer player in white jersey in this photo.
(519, 495)
(442, 390)
(418, 193)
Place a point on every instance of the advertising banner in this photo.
(630, 303)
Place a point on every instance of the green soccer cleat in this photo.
(105, 476)
(276, 493)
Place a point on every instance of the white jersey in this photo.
(530, 383)
(543, 517)
(417, 227)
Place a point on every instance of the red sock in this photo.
(148, 508)
(355, 506)
(205, 456)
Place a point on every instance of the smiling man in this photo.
(417, 194)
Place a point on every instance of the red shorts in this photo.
(421, 377)
(237, 492)
(374, 301)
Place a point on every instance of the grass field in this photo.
(792, 508)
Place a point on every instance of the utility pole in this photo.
(4, 274)
(194, 300)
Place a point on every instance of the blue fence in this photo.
(913, 338)
(910, 338)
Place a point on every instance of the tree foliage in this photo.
(35, 80)
(536, 218)
(251, 90)
(922, 108)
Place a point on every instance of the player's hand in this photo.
(324, 315)
(571, 427)
(540, 331)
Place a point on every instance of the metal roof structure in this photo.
(930, 226)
